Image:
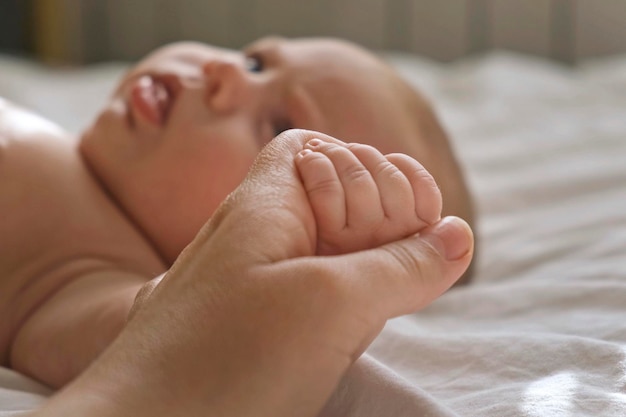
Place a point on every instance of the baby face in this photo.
(184, 126)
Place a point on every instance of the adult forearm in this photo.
(149, 372)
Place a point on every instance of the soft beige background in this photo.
(566, 30)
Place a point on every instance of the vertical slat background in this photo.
(600, 27)
(445, 30)
(479, 25)
(12, 24)
(293, 18)
(132, 27)
(201, 21)
(95, 27)
(398, 25)
(365, 20)
(440, 29)
(563, 36)
(523, 26)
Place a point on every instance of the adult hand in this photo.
(247, 322)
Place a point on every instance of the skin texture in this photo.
(170, 168)
(71, 262)
(179, 134)
(361, 198)
(281, 315)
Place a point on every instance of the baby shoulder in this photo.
(35, 157)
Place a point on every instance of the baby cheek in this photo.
(220, 174)
(231, 171)
(211, 161)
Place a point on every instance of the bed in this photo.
(542, 330)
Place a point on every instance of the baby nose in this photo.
(226, 85)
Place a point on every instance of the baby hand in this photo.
(361, 198)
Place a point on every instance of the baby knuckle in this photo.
(419, 173)
(386, 168)
(362, 150)
(396, 178)
(357, 173)
(328, 188)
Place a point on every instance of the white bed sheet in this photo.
(542, 330)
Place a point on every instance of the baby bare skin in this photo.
(72, 260)
(61, 237)
(70, 273)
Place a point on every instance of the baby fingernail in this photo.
(314, 143)
(304, 153)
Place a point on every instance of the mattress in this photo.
(542, 329)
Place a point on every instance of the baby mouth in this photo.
(150, 100)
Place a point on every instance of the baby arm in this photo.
(71, 328)
(361, 198)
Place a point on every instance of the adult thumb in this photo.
(407, 275)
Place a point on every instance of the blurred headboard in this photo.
(566, 30)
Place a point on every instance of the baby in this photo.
(87, 224)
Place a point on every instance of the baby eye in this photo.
(254, 63)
